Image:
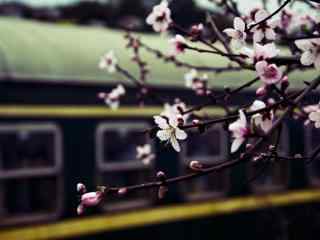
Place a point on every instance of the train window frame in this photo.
(224, 154)
(271, 187)
(313, 180)
(28, 173)
(103, 166)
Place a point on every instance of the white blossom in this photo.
(311, 51)
(144, 153)
(264, 121)
(160, 17)
(91, 199)
(265, 29)
(237, 33)
(109, 62)
(239, 131)
(169, 130)
(268, 73)
(112, 99)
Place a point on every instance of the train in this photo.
(55, 133)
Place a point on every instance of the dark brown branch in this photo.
(270, 16)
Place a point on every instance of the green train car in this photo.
(55, 132)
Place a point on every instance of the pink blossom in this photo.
(160, 17)
(268, 73)
(239, 131)
(178, 44)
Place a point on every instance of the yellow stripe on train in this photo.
(79, 111)
(93, 225)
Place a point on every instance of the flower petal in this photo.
(236, 144)
(161, 122)
(239, 24)
(180, 134)
(307, 58)
(164, 135)
(175, 144)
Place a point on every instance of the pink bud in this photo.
(122, 191)
(261, 91)
(195, 165)
(81, 188)
(195, 121)
(102, 95)
(162, 191)
(91, 199)
(80, 209)
(271, 101)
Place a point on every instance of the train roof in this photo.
(64, 53)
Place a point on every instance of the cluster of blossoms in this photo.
(112, 99)
(253, 121)
(260, 123)
(145, 154)
(197, 83)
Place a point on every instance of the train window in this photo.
(30, 166)
(271, 176)
(312, 139)
(208, 148)
(117, 164)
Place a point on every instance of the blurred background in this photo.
(55, 132)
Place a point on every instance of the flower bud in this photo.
(195, 121)
(261, 91)
(102, 95)
(195, 165)
(284, 83)
(80, 209)
(122, 191)
(162, 191)
(81, 188)
(91, 199)
(161, 176)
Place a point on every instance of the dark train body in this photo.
(55, 132)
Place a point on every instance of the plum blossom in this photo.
(160, 17)
(112, 99)
(178, 44)
(144, 153)
(311, 52)
(314, 116)
(196, 83)
(237, 33)
(264, 29)
(268, 73)
(239, 131)
(260, 52)
(263, 121)
(168, 123)
(109, 62)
